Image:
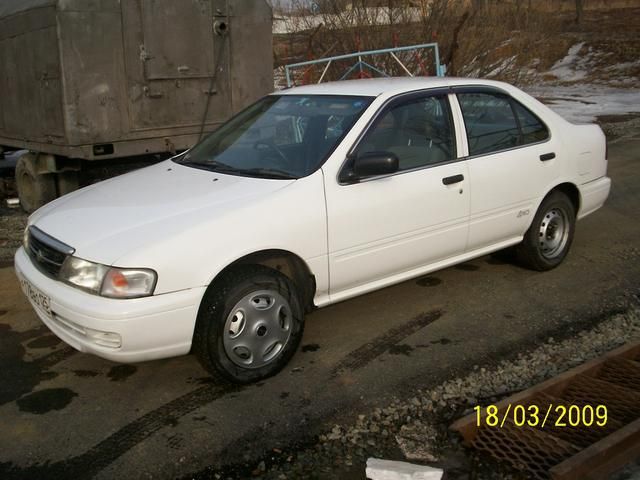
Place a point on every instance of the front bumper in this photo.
(125, 331)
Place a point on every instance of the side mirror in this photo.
(371, 164)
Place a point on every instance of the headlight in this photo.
(83, 274)
(108, 281)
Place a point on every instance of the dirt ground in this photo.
(69, 415)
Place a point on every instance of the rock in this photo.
(417, 442)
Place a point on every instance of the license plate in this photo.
(37, 298)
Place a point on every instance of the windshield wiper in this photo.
(268, 173)
(212, 166)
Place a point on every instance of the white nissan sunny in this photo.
(308, 197)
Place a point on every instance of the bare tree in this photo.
(579, 10)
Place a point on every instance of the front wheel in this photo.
(249, 324)
(547, 242)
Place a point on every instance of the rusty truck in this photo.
(84, 81)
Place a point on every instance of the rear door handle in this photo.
(453, 179)
(547, 156)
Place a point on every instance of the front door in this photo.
(383, 228)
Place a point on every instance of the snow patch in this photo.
(572, 67)
(584, 103)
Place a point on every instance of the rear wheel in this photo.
(249, 324)
(547, 242)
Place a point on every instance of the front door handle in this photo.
(547, 156)
(453, 179)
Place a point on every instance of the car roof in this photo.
(373, 87)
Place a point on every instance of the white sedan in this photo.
(308, 197)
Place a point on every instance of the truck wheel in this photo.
(67, 182)
(547, 242)
(34, 189)
(249, 325)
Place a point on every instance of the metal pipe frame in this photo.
(440, 69)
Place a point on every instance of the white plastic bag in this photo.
(390, 470)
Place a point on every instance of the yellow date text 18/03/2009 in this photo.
(541, 416)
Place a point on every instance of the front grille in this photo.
(47, 253)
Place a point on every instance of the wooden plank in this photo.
(603, 457)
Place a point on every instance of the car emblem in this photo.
(40, 256)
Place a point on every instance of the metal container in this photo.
(106, 79)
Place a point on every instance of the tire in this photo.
(34, 189)
(239, 337)
(549, 238)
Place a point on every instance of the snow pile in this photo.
(572, 67)
(585, 102)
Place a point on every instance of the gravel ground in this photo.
(416, 429)
(12, 223)
(618, 126)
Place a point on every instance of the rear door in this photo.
(511, 159)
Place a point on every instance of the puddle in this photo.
(120, 373)
(428, 281)
(46, 400)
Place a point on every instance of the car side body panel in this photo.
(292, 219)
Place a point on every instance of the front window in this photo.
(419, 132)
(286, 136)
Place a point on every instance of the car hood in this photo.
(106, 220)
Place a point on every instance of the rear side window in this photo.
(533, 130)
(496, 122)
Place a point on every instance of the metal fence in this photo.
(411, 60)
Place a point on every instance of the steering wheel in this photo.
(274, 148)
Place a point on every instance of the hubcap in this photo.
(553, 233)
(257, 329)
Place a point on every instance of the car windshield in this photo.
(287, 136)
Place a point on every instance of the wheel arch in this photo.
(285, 262)
(570, 190)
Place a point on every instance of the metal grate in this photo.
(622, 372)
(622, 403)
(570, 452)
(580, 436)
(525, 448)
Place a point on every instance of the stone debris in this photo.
(392, 470)
(418, 441)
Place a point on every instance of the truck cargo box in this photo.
(105, 79)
